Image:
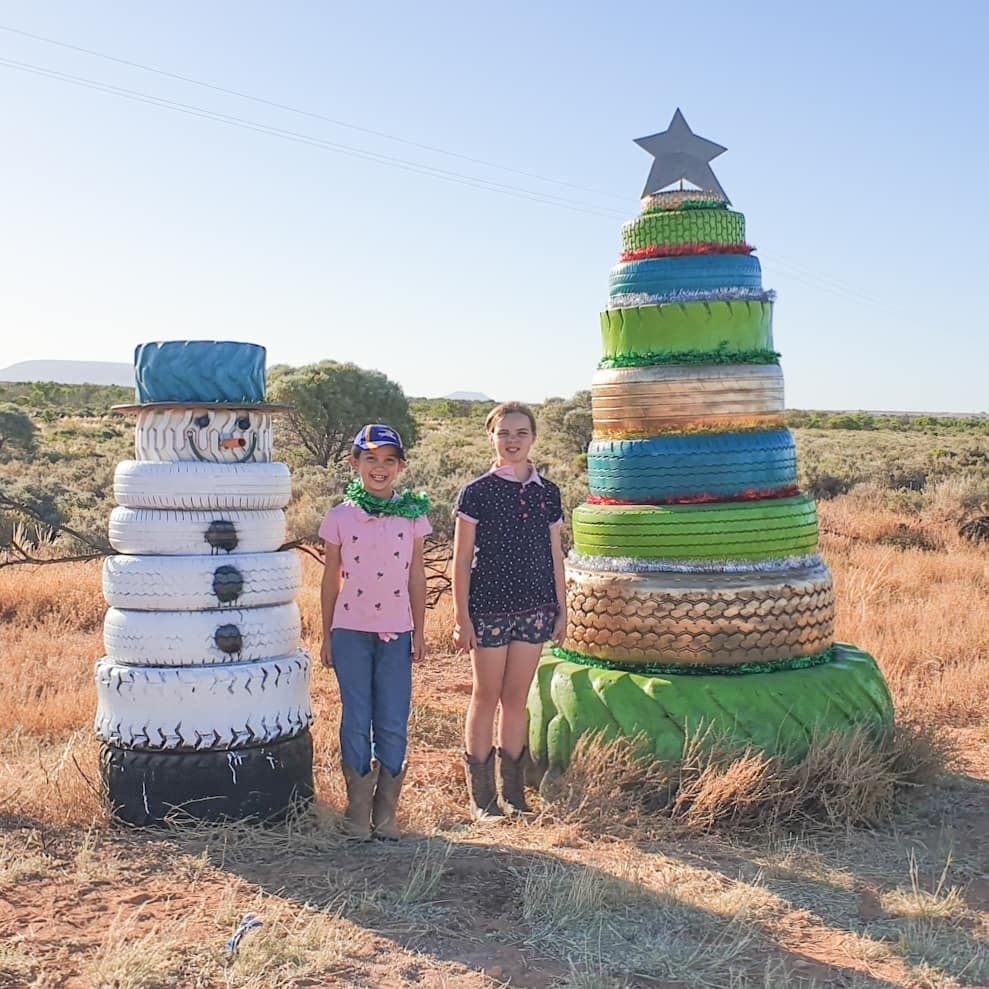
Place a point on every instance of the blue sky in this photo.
(857, 149)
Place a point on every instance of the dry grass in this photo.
(845, 780)
(729, 869)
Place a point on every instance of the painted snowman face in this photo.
(211, 435)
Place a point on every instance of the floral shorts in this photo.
(534, 626)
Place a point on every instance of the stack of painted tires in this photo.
(203, 695)
(696, 598)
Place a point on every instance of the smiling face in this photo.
(512, 437)
(212, 435)
(378, 470)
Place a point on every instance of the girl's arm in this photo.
(559, 579)
(463, 557)
(328, 592)
(417, 599)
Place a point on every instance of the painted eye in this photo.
(243, 422)
(201, 421)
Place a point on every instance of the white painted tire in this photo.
(249, 487)
(197, 583)
(198, 638)
(203, 707)
(217, 532)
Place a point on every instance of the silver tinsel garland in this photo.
(634, 300)
(628, 564)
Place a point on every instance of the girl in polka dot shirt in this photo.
(509, 600)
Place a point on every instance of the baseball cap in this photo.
(377, 434)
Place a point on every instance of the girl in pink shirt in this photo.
(373, 600)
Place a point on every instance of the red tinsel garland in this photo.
(699, 499)
(685, 250)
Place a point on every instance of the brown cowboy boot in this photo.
(386, 804)
(360, 790)
(511, 784)
(481, 788)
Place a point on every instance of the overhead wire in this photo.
(788, 267)
(303, 112)
(316, 142)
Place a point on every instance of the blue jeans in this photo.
(375, 680)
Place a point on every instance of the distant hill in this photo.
(469, 396)
(71, 372)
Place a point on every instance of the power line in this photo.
(305, 113)
(797, 272)
(460, 178)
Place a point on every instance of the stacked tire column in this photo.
(697, 602)
(203, 694)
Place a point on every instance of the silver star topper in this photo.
(680, 154)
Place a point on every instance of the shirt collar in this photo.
(508, 473)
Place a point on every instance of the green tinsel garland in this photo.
(689, 204)
(772, 666)
(408, 505)
(719, 356)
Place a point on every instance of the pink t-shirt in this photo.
(375, 556)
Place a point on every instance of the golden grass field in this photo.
(860, 870)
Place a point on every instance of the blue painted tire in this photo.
(723, 465)
(701, 273)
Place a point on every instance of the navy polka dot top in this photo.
(513, 562)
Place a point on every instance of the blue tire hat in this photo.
(202, 373)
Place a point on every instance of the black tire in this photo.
(262, 782)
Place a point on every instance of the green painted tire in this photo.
(741, 530)
(776, 712)
(698, 226)
(688, 327)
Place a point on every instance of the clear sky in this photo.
(858, 150)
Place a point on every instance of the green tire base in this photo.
(776, 712)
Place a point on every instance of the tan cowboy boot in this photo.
(511, 785)
(386, 804)
(481, 788)
(360, 790)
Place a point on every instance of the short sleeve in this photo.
(329, 530)
(421, 527)
(468, 505)
(554, 506)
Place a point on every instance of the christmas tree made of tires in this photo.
(696, 598)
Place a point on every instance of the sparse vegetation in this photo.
(861, 866)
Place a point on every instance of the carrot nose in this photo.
(233, 444)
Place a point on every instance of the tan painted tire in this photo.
(649, 401)
(701, 618)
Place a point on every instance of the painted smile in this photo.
(227, 444)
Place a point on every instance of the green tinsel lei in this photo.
(719, 356)
(689, 204)
(408, 505)
(772, 666)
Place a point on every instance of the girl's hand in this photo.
(464, 636)
(326, 654)
(560, 627)
(418, 648)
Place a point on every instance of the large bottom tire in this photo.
(776, 712)
(262, 782)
